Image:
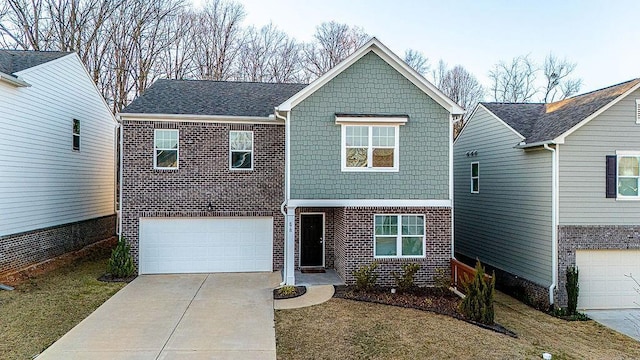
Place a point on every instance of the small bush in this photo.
(287, 290)
(572, 290)
(121, 263)
(366, 276)
(405, 281)
(478, 303)
(442, 280)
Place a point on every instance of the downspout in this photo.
(286, 192)
(120, 168)
(554, 221)
(451, 194)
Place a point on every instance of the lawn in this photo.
(42, 309)
(347, 329)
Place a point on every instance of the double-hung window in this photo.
(76, 135)
(399, 236)
(369, 143)
(165, 145)
(475, 177)
(628, 176)
(241, 150)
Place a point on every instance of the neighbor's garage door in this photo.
(192, 245)
(603, 284)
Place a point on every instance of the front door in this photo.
(312, 240)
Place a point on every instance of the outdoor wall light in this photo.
(209, 205)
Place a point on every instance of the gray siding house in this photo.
(540, 187)
(232, 176)
(58, 179)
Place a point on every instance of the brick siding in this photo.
(203, 176)
(572, 238)
(18, 251)
(353, 242)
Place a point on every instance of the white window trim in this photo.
(155, 158)
(619, 154)
(399, 238)
(74, 134)
(474, 177)
(637, 111)
(396, 147)
(252, 150)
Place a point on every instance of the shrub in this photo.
(287, 290)
(442, 280)
(121, 263)
(478, 303)
(366, 276)
(405, 280)
(572, 290)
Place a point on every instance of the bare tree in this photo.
(462, 87)
(176, 59)
(332, 43)
(417, 61)
(514, 81)
(217, 39)
(558, 84)
(23, 25)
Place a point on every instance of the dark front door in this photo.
(311, 240)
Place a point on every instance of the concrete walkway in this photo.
(625, 321)
(195, 316)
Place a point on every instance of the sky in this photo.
(602, 37)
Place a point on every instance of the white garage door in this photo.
(603, 284)
(192, 245)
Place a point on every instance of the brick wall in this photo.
(18, 251)
(203, 174)
(353, 237)
(572, 238)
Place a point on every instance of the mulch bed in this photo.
(111, 278)
(300, 290)
(438, 301)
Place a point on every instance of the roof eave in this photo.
(191, 117)
(13, 80)
(524, 145)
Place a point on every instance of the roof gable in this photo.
(540, 123)
(203, 97)
(374, 45)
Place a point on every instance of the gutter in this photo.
(554, 221)
(13, 80)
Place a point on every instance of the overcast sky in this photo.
(602, 37)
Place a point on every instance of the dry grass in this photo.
(45, 307)
(345, 329)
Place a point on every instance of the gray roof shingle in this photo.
(12, 61)
(544, 122)
(203, 97)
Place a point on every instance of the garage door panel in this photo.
(185, 245)
(603, 284)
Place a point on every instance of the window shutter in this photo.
(612, 168)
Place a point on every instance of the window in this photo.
(369, 148)
(637, 111)
(165, 149)
(475, 177)
(76, 135)
(241, 150)
(398, 236)
(628, 175)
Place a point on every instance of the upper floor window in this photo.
(628, 175)
(475, 177)
(369, 148)
(241, 150)
(76, 135)
(165, 149)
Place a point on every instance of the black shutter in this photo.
(612, 168)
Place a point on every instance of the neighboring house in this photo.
(540, 187)
(57, 156)
(233, 176)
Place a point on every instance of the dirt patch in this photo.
(96, 250)
(111, 279)
(299, 291)
(436, 300)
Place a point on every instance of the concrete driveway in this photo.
(625, 321)
(194, 316)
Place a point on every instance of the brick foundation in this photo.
(203, 176)
(18, 251)
(572, 238)
(353, 243)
